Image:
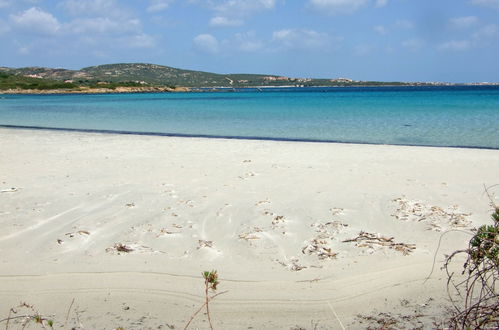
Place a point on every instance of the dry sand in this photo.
(271, 217)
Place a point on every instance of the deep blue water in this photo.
(429, 116)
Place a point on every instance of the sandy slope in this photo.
(271, 217)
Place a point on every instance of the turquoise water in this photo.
(429, 116)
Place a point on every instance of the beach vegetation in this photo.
(210, 283)
(474, 293)
(31, 316)
(112, 85)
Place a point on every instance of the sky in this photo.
(385, 40)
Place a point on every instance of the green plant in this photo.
(210, 283)
(484, 245)
(32, 316)
(211, 280)
(479, 306)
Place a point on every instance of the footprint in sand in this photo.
(265, 201)
(204, 243)
(336, 211)
(220, 210)
(175, 229)
(79, 233)
(171, 192)
(247, 175)
(127, 248)
(278, 221)
(291, 264)
(251, 234)
(187, 203)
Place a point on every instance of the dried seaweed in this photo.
(370, 240)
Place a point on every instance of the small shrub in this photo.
(479, 306)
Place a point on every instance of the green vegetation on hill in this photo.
(110, 85)
(152, 75)
(9, 81)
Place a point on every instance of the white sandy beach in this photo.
(270, 216)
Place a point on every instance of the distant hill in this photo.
(158, 75)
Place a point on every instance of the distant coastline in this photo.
(221, 89)
(152, 78)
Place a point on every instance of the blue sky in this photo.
(403, 40)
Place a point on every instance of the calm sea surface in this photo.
(429, 116)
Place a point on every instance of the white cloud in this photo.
(4, 3)
(140, 40)
(90, 33)
(4, 28)
(463, 22)
(481, 38)
(268, 3)
(363, 49)
(158, 5)
(300, 38)
(247, 42)
(488, 31)
(381, 3)
(453, 45)
(224, 21)
(92, 7)
(24, 50)
(103, 25)
(486, 3)
(242, 7)
(413, 44)
(247, 4)
(206, 43)
(233, 12)
(334, 7)
(36, 21)
(251, 46)
(404, 24)
(380, 29)
(106, 23)
(99, 54)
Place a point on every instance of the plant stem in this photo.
(207, 299)
(200, 308)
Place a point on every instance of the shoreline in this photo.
(86, 90)
(229, 137)
(221, 89)
(280, 221)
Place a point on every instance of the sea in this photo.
(439, 116)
